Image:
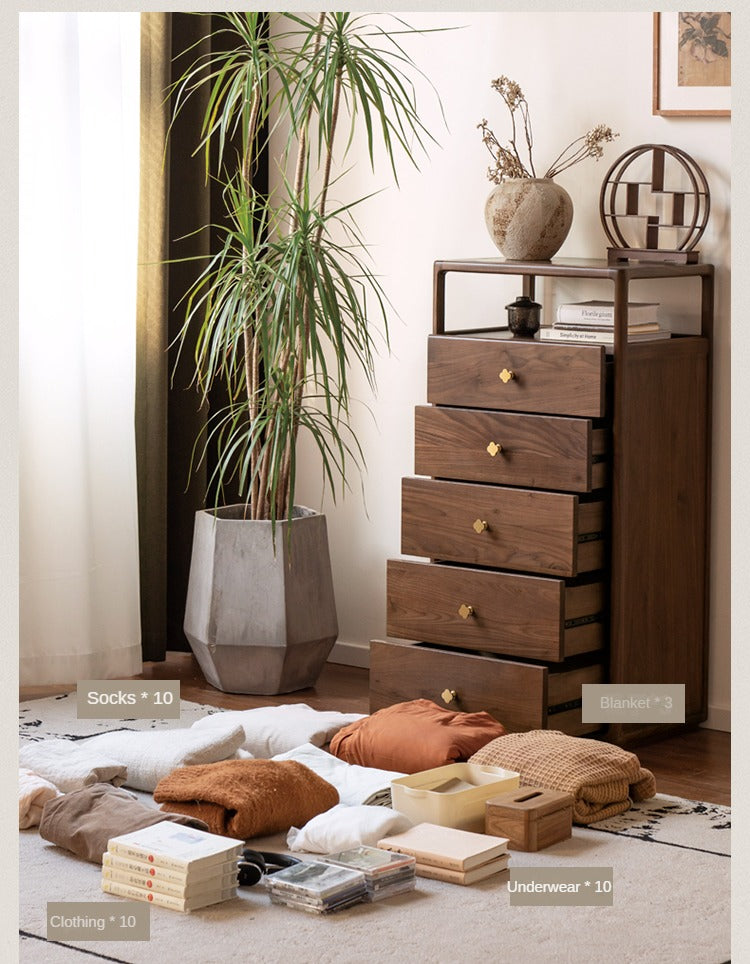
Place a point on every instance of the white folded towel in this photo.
(72, 764)
(276, 729)
(356, 785)
(152, 754)
(33, 792)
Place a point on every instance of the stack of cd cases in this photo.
(386, 873)
(317, 887)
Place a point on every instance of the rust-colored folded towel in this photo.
(414, 736)
(247, 798)
(603, 779)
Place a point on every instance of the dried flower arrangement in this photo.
(508, 163)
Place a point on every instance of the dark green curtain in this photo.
(175, 202)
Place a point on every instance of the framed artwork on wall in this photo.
(692, 64)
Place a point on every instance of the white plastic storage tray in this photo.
(453, 795)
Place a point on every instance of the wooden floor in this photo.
(694, 764)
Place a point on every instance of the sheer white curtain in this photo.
(79, 126)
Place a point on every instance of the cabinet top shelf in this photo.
(576, 268)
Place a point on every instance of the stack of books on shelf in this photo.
(593, 322)
(317, 887)
(445, 853)
(386, 873)
(172, 866)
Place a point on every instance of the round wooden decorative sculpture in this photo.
(654, 205)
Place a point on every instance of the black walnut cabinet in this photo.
(562, 504)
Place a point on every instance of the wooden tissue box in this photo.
(532, 818)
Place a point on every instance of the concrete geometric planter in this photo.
(257, 621)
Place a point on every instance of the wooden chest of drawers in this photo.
(562, 507)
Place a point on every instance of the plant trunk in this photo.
(301, 347)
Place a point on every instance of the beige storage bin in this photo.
(451, 796)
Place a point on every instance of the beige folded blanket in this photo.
(247, 798)
(603, 779)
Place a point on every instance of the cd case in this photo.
(316, 880)
(371, 861)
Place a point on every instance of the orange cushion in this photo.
(414, 736)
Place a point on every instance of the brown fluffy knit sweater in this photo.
(247, 798)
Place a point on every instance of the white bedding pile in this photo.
(72, 764)
(33, 792)
(270, 730)
(356, 785)
(151, 756)
(141, 758)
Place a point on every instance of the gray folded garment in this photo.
(85, 820)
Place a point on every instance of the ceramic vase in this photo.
(528, 218)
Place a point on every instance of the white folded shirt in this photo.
(72, 764)
(151, 754)
(276, 729)
(33, 792)
(356, 784)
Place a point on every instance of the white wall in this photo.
(576, 70)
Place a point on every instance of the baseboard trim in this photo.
(350, 654)
(719, 718)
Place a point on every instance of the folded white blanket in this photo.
(356, 785)
(72, 764)
(33, 792)
(151, 755)
(276, 729)
(342, 828)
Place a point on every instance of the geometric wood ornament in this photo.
(654, 205)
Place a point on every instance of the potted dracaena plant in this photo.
(283, 310)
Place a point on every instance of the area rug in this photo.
(671, 897)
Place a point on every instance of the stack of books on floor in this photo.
(172, 866)
(445, 853)
(386, 873)
(317, 887)
(593, 322)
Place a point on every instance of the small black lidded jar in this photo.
(524, 317)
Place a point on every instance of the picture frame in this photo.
(692, 64)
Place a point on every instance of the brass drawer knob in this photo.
(449, 696)
(506, 375)
(479, 526)
(493, 448)
(465, 611)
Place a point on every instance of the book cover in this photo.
(602, 337)
(183, 904)
(167, 873)
(464, 877)
(206, 886)
(445, 846)
(173, 845)
(603, 312)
